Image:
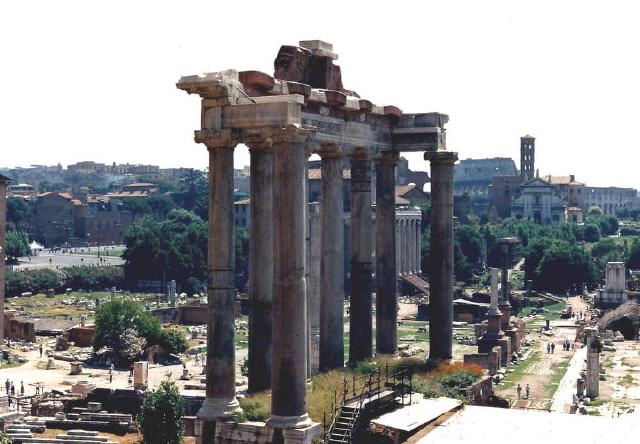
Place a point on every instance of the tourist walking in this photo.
(40, 348)
(553, 347)
(7, 386)
(519, 390)
(548, 347)
(526, 391)
(21, 388)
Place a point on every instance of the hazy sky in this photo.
(90, 80)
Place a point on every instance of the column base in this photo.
(213, 409)
(289, 422)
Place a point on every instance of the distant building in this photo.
(87, 167)
(473, 176)
(610, 199)
(569, 190)
(134, 190)
(538, 201)
(54, 218)
(20, 190)
(241, 214)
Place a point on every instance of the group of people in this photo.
(11, 389)
(551, 347)
(526, 391)
(567, 345)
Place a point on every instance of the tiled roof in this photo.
(561, 180)
(316, 174)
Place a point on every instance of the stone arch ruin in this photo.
(625, 319)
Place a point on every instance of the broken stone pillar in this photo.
(76, 368)
(494, 335)
(260, 265)
(331, 260)
(594, 347)
(220, 401)
(386, 292)
(441, 276)
(615, 291)
(289, 358)
(140, 375)
(3, 227)
(360, 329)
(171, 293)
(580, 388)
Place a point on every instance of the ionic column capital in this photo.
(289, 134)
(441, 156)
(329, 150)
(214, 139)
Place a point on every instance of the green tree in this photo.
(172, 248)
(591, 232)
(161, 416)
(564, 266)
(121, 322)
(470, 243)
(633, 262)
(18, 212)
(242, 258)
(17, 245)
(603, 247)
(594, 211)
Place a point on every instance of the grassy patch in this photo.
(558, 371)
(522, 368)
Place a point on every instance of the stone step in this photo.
(80, 432)
(83, 438)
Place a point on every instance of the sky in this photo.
(95, 80)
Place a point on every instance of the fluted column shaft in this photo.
(418, 246)
(220, 398)
(332, 263)
(441, 276)
(260, 267)
(360, 332)
(289, 359)
(386, 296)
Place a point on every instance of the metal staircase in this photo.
(360, 398)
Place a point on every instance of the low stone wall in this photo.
(489, 361)
(184, 315)
(258, 433)
(81, 336)
(481, 391)
(22, 329)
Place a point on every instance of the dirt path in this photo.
(541, 370)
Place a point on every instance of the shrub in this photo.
(161, 417)
(118, 316)
(39, 279)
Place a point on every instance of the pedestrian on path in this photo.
(548, 347)
(553, 347)
(21, 388)
(519, 390)
(526, 391)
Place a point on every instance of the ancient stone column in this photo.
(3, 227)
(360, 331)
(220, 401)
(260, 265)
(313, 287)
(386, 295)
(289, 357)
(398, 249)
(593, 362)
(441, 276)
(418, 224)
(413, 244)
(494, 315)
(404, 243)
(331, 261)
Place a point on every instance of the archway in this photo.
(625, 326)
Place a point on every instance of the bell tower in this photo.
(527, 157)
